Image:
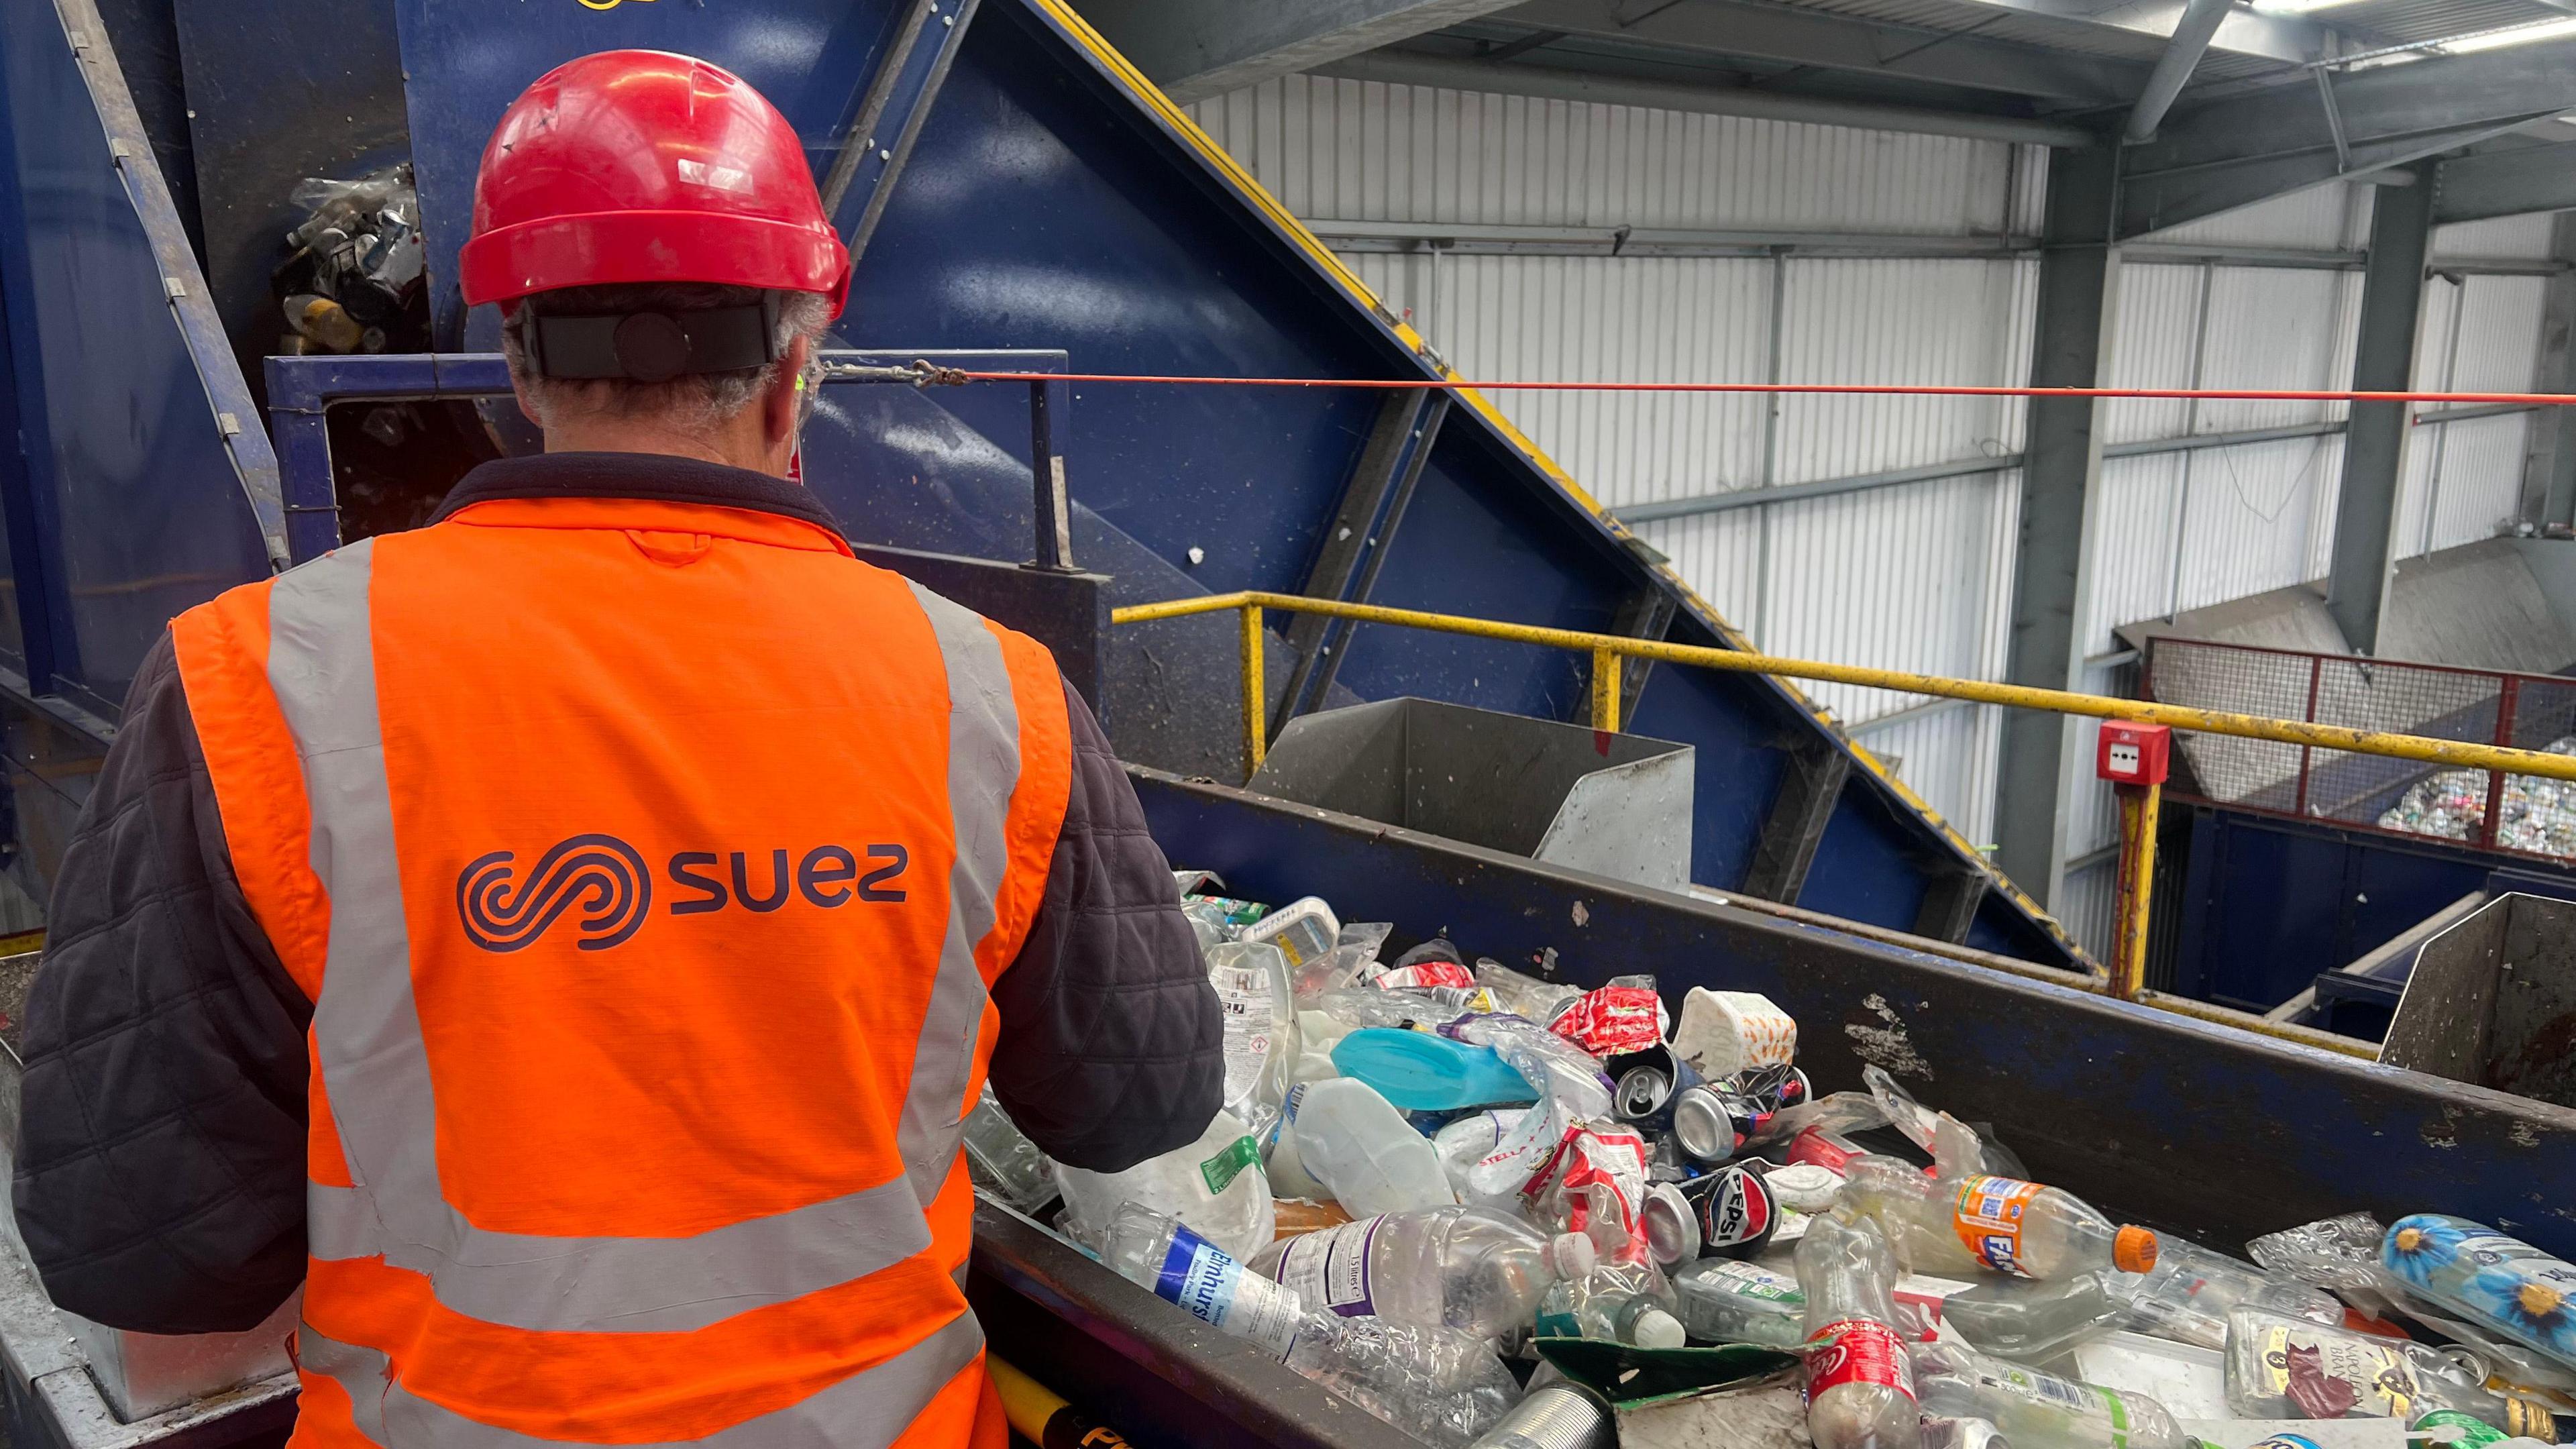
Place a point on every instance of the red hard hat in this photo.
(643, 166)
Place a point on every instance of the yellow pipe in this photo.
(1256, 694)
(2243, 726)
(2265, 1026)
(1605, 691)
(1041, 1415)
(2138, 809)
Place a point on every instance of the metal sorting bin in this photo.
(1565, 795)
(2492, 1000)
(2196, 1128)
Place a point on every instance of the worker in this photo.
(566, 939)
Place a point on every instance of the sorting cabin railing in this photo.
(2500, 807)
(1610, 651)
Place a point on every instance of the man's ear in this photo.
(781, 408)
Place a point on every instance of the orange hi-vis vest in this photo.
(647, 864)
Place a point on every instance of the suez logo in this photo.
(606, 881)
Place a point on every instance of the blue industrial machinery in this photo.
(1016, 186)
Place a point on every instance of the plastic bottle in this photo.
(1724, 1301)
(1216, 1185)
(1629, 1303)
(1260, 1018)
(2187, 1297)
(2501, 1282)
(1467, 1268)
(2029, 1320)
(2040, 1410)
(1991, 1224)
(1361, 1149)
(1470, 1140)
(1303, 930)
(1442, 1385)
(1157, 1251)
(2280, 1367)
(1005, 1162)
(1860, 1379)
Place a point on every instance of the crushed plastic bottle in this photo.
(2501, 1282)
(1725, 1301)
(1630, 1303)
(1469, 1268)
(1860, 1378)
(2187, 1296)
(2280, 1367)
(1940, 1431)
(1361, 1149)
(1440, 1384)
(1216, 1185)
(2040, 1410)
(2031, 1320)
(1522, 994)
(1991, 1224)
(1260, 1018)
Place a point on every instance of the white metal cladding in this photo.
(2321, 217)
(1948, 758)
(2087, 908)
(1369, 151)
(2522, 237)
(1916, 575)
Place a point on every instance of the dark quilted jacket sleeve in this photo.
(160, 1165)
(1111, 1049)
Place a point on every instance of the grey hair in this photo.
(696, 402)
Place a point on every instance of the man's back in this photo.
(661, 881)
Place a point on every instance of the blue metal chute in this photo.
(1022, 188)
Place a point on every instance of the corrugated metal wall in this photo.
(1914, 576)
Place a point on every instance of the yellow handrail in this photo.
(2062, 701)
(1608, 650)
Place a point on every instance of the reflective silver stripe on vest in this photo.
(983, 770)
(376, 1070)
(868, 1410)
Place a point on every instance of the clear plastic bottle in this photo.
(1468, 1268)
(2501, 1282)
(1940, 1431)
(2040, 1410)
(1725, 1301)
(1358, 1146)
(2280, 1367)
(2030, 1320)
(1991, 1224)
(1216, 1185)
(1260, 1019)
(1860, 1378)
(2187, 1297)
(1445, 1386)
(1627, 1303)
(1003, 1161)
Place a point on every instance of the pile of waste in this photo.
(1496, 1209)
(2537, 816)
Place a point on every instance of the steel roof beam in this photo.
(1834, 42)
(2504, 183)
(2291, 39)
(1548, 82)
(1194, 49)
(2228, 153)
(2190, 41)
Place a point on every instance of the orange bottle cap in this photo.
(2133, 1250)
